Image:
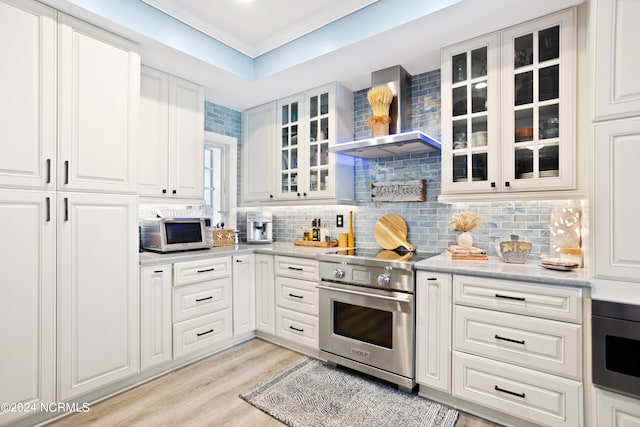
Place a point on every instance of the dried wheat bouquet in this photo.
(464, 221)
(380, 98)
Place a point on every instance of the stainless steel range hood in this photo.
(391, 145)
(401, 139)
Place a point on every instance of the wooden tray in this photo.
(331, 244)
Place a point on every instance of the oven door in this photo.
(369, 326)
(616, 346)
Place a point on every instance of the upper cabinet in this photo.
(617, 87)
(303, 170)
(258, 153)
(98, 93)
(171, 147)
(69, 89)
(508, 111)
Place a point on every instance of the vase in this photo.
(465, 239)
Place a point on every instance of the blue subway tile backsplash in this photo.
(428, 222)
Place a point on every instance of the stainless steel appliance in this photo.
(259, 227)
(367, 312)
(174, 234)
(615, 332)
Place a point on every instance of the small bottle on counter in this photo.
(316, 230)
(324, 233)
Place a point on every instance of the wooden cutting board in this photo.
(390, 232)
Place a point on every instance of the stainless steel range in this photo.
(367, 312)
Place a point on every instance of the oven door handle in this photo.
(364, 294)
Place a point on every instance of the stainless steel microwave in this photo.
(174, 234)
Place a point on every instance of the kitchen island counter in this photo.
(494, 267)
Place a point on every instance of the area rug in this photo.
(310, 394)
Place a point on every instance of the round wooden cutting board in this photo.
(390, 232)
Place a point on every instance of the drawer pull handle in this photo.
(432, 278)
(296, 329)
(296, 296)
(296, 268)
(204, 333)
(207, 270)
(509, 392)
(204, 299)
(498, 337)
(66, 171)
(158, 271)
(48, 200)
(508, 297)
(48, 181)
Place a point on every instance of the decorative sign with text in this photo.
(399, 191)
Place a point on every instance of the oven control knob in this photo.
(338, 273)
(384, 279)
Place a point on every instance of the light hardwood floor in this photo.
(203, 394)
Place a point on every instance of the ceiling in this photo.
(246, 54)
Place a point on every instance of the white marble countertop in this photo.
(276, 248)
(531, 271)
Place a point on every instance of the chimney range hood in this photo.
(401, 140)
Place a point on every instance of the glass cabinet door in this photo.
(538, 135)
(319, 137)
(469, 107)
(289, 148)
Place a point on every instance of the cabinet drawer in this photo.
(551, 302)
(201, 270)
(298, 268)
(201, 332)
(201, 298)
(540, 398)
(297, 327)
(531, 342)
(298, 295)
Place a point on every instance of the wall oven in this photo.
(615, 330)
(367, 315)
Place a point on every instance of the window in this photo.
(220, 179)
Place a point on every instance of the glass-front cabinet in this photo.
(539, 104)
(508, 103)
(470, 133)
(307, 124)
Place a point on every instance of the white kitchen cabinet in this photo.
(615, 410)
(28, 87)
(98, 292)
(155, 315)
(258, 153)
(202, 305)
(171, 148)
(516, 134)
(28, 303)
(517, 349)
(265, 294)
(296, 301)
(433, 330)
(244, 295)
(98, 93)
(617, 88)
(615, 231)
(308, 123)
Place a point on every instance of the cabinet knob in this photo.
(506, 184)
(298, 194)
(173, 191)
(493, 185)
(271, 196)
(304, 194)
(164, 191)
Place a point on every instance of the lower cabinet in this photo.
(244, 295)
(508, 346)
(615, 410)
(265, 295)
(98, 293)
(433, 330)
(155, 315)
(296, 296)
(28, 303)
(202, 305)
